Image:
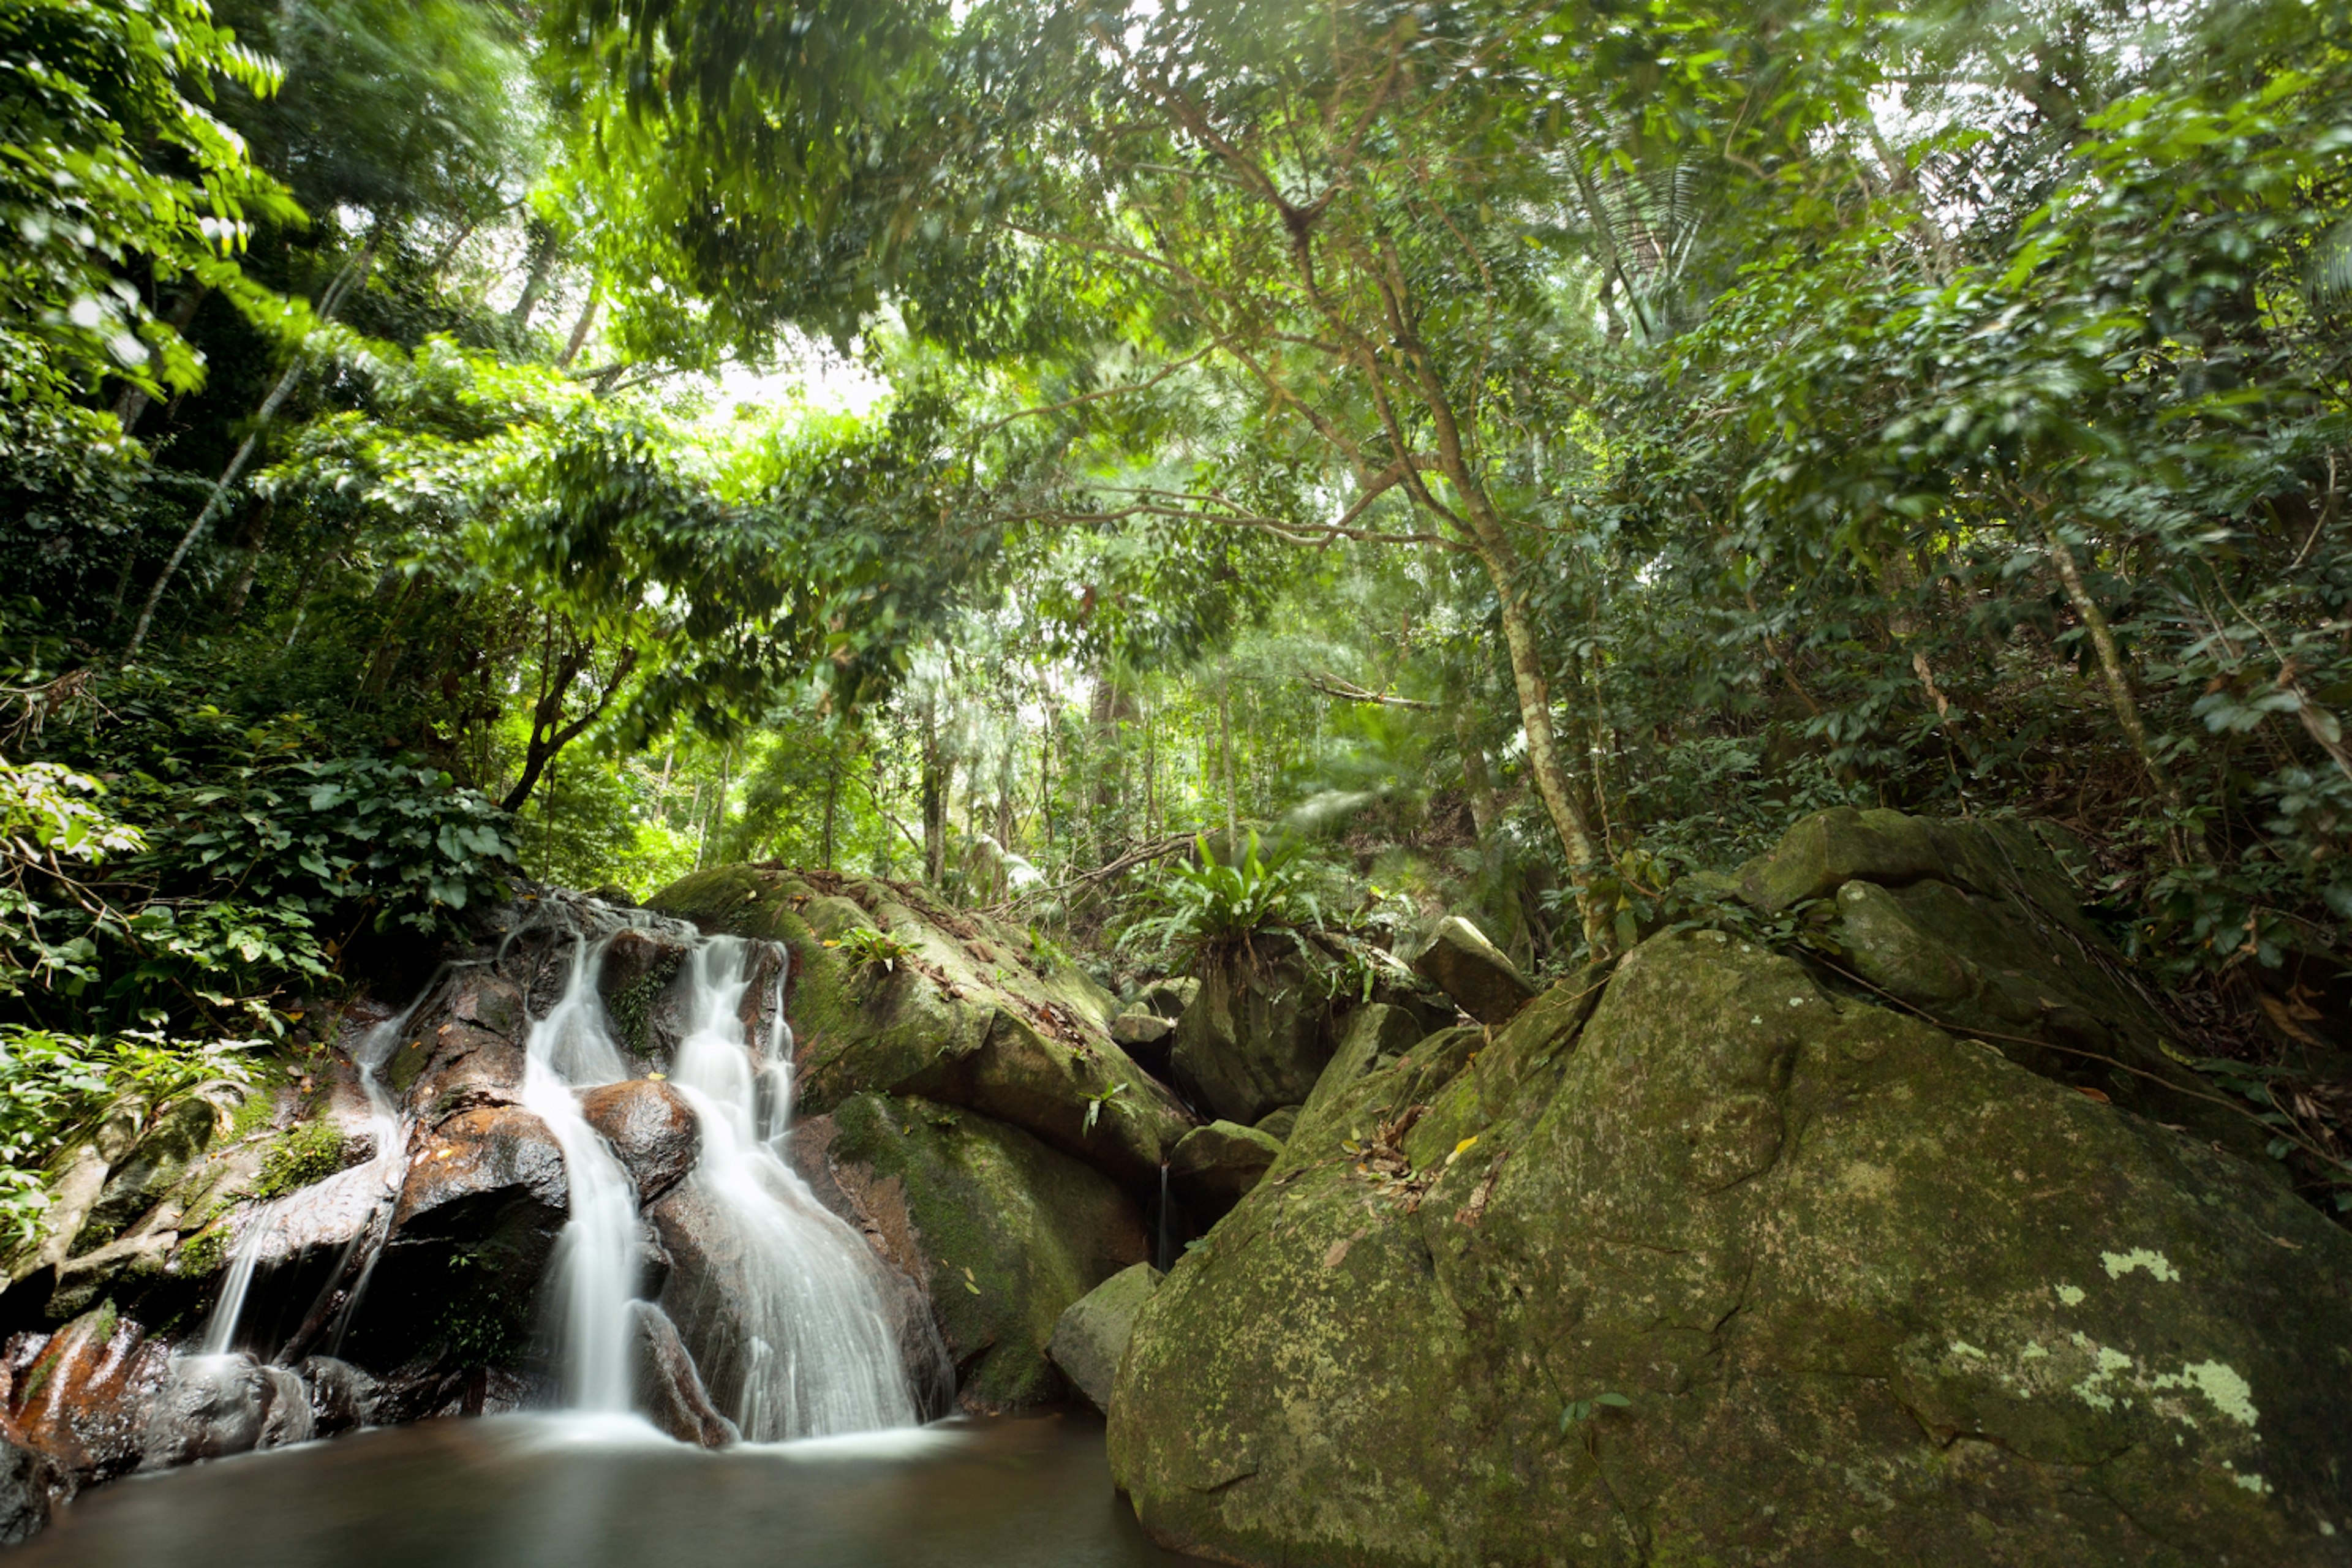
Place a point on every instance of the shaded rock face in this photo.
(1864, 1291)
(477, 1221)
(1257, 1035)
(211, 1406)
(1372, 1036)
(26, 1479)
(1004, 1232)
(342, 1395)
(1090, 1337)
(1976, 925)
(652, 1131)
(1476, 973)
(1168, 997)
(963, 1018)
(1217, 1164)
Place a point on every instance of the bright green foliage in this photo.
(1223, 904)
(109, 160)
(307, 1152)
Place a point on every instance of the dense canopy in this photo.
(1488, 455)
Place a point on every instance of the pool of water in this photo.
(537, 1492)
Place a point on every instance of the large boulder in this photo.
(652, 1131)
(1004, 1232)
(1739, 1271)
(1258, 1032)
(1479, 976)
(1975, 926)
(957, 1010)
(480, 1209)
(214, 1405)
(1090, 1337)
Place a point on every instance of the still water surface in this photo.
(523, 1491)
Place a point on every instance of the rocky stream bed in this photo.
(1922, 1246)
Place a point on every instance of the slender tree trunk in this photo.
(1477, 782)
(1225, 754)
(580, 329)
(2114, 672)
(935, 798)
(534, 287)
(831, 800)
(353, 276)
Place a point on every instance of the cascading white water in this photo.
(597, 1262)
(820, 1356)
(375, 1183)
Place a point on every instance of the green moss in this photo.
(306, 1153)
(205, 1253)
(1013, 1233)
(632, 1006)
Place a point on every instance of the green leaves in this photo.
(1578, 1411)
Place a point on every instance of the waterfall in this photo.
(377, 1182)
(804, 1313)
(597, 1261)
(820, 1354)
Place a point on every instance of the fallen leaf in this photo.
(2087, 1092)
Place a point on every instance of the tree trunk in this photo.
(1534, 690)
(2113, 671)
(534, 287)
(1225, 754)
(935, 798)
(579, 338)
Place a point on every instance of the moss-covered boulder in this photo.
(1090, 1339)
(1977, 926)
(1258, 1032)
(1004, 1231)
(1735, 1271)
(894, 992)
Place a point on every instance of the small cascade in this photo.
(800, 1341)
(274, 1226)
(819, 1355)
(597, 1263)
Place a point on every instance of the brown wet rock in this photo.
(668, 1389)
(652, 1130)
(84, 1396)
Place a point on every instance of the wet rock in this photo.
(1006, 1232)
(490, 1003)
(1092, 1332)
(84, 1396)
(26, 1479)
(652, 1131)
(962, 1017)
(477, 1221)
(212, 1405)
(736, 1299)
(638, 966)
(1480, 977)
(1862, 1291)
(1257, 1035)
(668, 1389)
(1216, 1164)
(342, 1395)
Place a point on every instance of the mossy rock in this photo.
(1856, 1291)
(1975, 925)
(962, 1015)
(1004, 1232)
